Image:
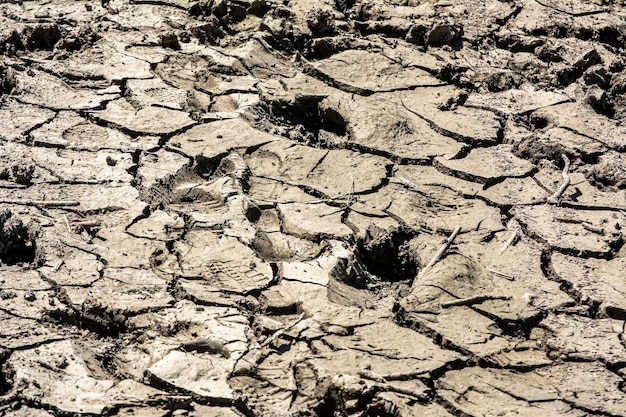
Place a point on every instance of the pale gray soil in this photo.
(312, 208)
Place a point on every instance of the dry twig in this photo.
(67, 224)
(593, 228)
(566, 181)
(440, 252)
(87, 224)
(383, 385)
(473, 300)
(42, 203)
(278, 332)
(405, 391)
(500, 274)
(57, 265)
(509, 242)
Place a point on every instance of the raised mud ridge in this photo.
(312, 208)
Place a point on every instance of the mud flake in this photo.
(583, 121)
(207, 142)
(19, 333)
(50, 92)
(263, 190)
(57, 373)
(160, 225)
(596, 280)
(207, 71)
(515, 101)
(437, 208)
(582, 193)
(17, 118)
(154, 92)
(192, 373)
(463, 124)
(222, 262)
(389, 348)
(313, 221)
(105, 60)
(14, 293)
(77, 268)
(201, 293)
(582, 338)
(320, 295)
(120, 249)
(148, 120)
(366, 71)
(553, 142)
(514, 191)
(309, 167)
(391, 128)
(262, 396)
(523, 281)
(157, 171)
(421, 309)
(474, 167)
(425, 178)
(278, 246)
(475, 390)
(125, 291)
(563, 228)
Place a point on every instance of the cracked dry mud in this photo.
(230, 208)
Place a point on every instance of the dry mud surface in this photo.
(235, 207)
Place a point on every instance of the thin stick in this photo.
(57, 266)
(400, 390)
(473, 300)
(42, 203)
(593, 228)
(88, 223)
(411, 186)
(566, 180)
(567, 220)
(440, 252)
(509, 242)
(67, 223)
(407, 183)
(500, 274)
(372, 376)
(281, 331)
(351, 188)
(383, 385)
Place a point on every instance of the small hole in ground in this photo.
(381, 256)
(17, 243)
(386, 253)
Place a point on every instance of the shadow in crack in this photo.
(6, 374)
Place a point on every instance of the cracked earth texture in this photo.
(312, 208)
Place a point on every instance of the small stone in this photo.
(321, 21)
(22, 173)
(170, 40)
(443, 34)
(30, 296)
(111, 161)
